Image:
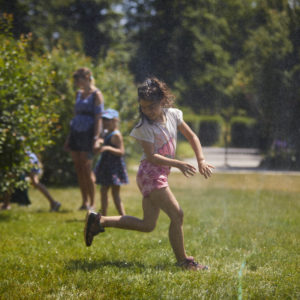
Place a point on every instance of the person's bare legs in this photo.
(168, 203)
(6, 201)
(147, 224)
(37, 184)
(104, 199)
(88, 178)
(80, 177)
(158, 199)
(115, 190)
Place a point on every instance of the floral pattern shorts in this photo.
(151, 177)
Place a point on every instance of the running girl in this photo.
(157, 134)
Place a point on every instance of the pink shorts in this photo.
(151, 177)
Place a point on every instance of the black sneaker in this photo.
(92, 218)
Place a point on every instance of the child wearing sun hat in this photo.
(111, 169)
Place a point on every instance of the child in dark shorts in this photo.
(111, 170)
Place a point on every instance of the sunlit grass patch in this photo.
(245, 230)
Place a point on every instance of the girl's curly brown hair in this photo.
(154, 90)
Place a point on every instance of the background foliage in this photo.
(228, 58)
(36, 110)
(118, 89)
(28, 114)
(220, 56)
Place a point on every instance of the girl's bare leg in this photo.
(158, 199)
(104, 199)
(115, 189)
(36, 183)
(168, 203)
(147, 224)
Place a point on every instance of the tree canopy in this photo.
(230, 58)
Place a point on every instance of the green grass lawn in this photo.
(245, 227)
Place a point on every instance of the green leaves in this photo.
(26, 110)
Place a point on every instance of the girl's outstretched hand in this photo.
(205, 169)
(187, 169)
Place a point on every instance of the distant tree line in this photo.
(230, 58)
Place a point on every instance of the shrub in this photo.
(192, 120)
(281, 156)
(244, 133)
(184, 150)
(37, 104)
(210, 130)
(27, 112)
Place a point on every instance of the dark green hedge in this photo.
(210, 130)
(244, 133)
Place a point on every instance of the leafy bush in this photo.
(244, 133)
(191, 119)
(210, 130)
(37, 104)
(281, 156)
(27, 112)
(184, 150)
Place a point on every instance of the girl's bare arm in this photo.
(98, 119)
(116, 140)
(157, 159)
(204, 168)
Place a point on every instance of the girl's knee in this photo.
(104, 188)
(34, 180)
(178, 216)
(115, 190)
(149, 227)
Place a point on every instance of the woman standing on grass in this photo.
(157, 134)
(86, 127)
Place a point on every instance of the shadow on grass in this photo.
(75, 220)
(87, 265)
(4, 217)
(61, 211)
